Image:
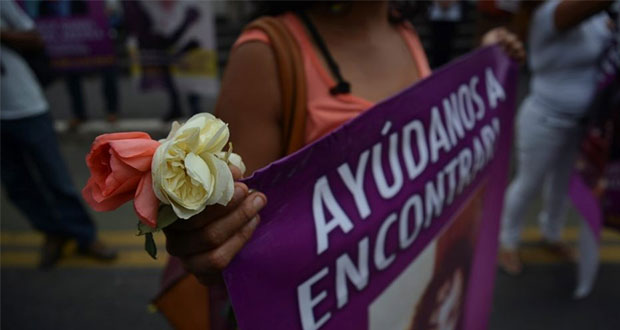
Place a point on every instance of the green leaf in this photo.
(149, 245)
(165, 217)
(144, 229)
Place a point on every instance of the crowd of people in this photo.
(564, 41)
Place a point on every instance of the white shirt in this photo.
(20, 93)
(564, 64)
(450, 14)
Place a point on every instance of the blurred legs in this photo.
(546, 152)
(30, 150)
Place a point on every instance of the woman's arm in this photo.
(21, 33)
(571, 13)
(22, 40)
(250, 102)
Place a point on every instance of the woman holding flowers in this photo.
(186, 175)
(377, 52)
(368, 43)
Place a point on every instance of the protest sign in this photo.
(75, 33)
(595, 186)
(595, 192)
(391, 221)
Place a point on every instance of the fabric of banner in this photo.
(394, 216)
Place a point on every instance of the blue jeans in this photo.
(37, 181)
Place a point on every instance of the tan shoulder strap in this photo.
(292, 81)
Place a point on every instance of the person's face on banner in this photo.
(448, 306)
(441, 306)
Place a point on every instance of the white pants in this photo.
(547, 147)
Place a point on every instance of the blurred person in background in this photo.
(495, 13)
(108, 75)
(109, 89)
(444, 16)
(565, 43)
(354, 55)
(157, 52)
(33, 171)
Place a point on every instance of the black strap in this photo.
(342, 86)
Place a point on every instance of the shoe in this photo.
(98, 250)
(74, 124)
(111, 118)
(560, 249)
(509, 261)
(51, 251)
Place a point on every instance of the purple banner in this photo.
(595, 186)
(75, 33)
(391, 221)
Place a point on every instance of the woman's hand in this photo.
(207, 242)
(250, 104)
(509, 42)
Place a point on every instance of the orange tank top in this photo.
(327, 112)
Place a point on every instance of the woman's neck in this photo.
(353, 17)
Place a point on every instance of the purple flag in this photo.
(391, 221)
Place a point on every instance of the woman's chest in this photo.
(378, 69)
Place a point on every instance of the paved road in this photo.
(540, 299)
(82, 294)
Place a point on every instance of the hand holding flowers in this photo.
(208, 242)
(177, 177)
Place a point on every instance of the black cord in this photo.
(342, 86)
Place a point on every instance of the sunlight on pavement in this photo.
(21, 250)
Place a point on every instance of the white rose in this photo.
(190, 169)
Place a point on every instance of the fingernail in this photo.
(258, 202)
(254, 222)
(238, 192)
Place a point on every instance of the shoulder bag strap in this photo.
(292, 81)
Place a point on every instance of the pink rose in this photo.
(120, 168)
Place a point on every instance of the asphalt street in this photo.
(81, 294)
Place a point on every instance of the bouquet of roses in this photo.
(169, 180)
